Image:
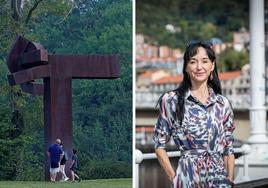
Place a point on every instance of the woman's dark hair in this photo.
(74, 151)
(191, 51)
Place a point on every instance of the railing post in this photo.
(138, 160)
(137, 175)
(246, 150)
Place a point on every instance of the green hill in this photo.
(192, 20)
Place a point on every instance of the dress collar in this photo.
(213, 97)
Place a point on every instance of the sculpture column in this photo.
(58, 114)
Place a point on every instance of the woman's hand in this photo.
(230, 179)
(171, 178)
(229, 166)
(165, 163)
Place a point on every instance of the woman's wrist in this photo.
(172, 176)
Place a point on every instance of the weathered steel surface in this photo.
(29, 75)
(18, 54)
(14, 54)
(33, 88)
(82, 66)
(28, 61)
(34, 58)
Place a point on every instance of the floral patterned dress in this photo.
(203, 137)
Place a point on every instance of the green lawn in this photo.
(103, 183)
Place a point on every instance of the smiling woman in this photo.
(199, 68)
(200, 120)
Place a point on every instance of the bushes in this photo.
(105, 169)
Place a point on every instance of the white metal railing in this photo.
(149, 98)
(139, 157)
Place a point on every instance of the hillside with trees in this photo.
(190, 20)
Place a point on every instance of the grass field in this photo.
(103, 183)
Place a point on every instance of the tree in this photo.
(231, 60)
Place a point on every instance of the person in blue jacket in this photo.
(55, 154)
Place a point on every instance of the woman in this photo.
(200, 120)
(74, 167)
(62, 164)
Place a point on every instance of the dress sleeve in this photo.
(229, 127)
(162, 131)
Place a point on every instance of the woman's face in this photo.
(199, 66)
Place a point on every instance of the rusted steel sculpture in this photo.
(28, 61)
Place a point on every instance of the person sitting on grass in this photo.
(74, 167)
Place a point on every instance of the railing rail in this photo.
(139, 157)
